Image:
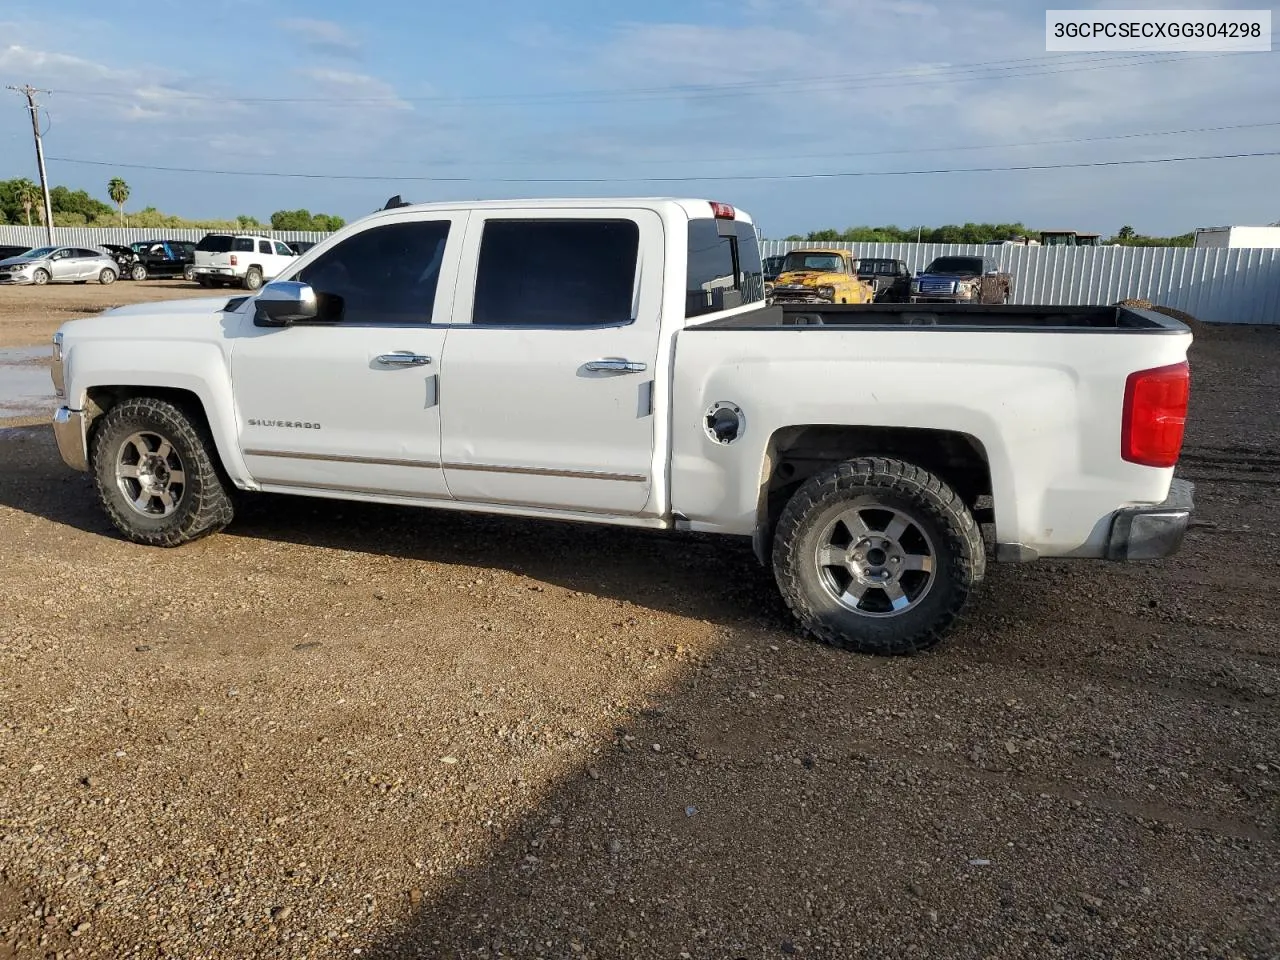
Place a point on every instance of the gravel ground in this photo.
(340, 730)
(29, 315)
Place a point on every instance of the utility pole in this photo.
(30, 92)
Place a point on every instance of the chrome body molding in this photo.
(335, 458)
(435, 465)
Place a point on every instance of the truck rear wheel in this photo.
(154, 467)
(877, 556)
(252, 279)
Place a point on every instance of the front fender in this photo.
(200, 369)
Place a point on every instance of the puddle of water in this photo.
(25, 387)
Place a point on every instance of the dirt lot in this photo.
(339, 730)
(29, 315)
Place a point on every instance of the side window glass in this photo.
(282, 250)
(242, 245)
(385, 274)
(264, 246)
(559, 273)
(712, 270)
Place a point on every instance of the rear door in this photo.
(547, 393)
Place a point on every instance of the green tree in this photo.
(118, 191)
(28, 196)
(1126, 233)
(304, 220)
(291, 220)
(245, 222)
(64, 200)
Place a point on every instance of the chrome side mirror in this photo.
(283, 302)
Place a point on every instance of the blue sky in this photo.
(519, 90)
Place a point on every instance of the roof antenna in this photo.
(396, 201)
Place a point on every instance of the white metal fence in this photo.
(1214, 284)
(92, 236)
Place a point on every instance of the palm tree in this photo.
(28, 195)
(118, 191)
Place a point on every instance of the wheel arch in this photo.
(100, 398)
(795, 453)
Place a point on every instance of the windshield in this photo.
(877, 267)
(956, 266)
(825, 262)
(39, 253)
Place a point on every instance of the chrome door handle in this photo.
(403, 360)
(615, 365)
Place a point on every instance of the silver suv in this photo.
(59, 265)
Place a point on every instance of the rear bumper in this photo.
(1151, 533)
(68, 430)
(216, 271)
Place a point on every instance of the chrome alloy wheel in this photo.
(876, 561)
(150, 474)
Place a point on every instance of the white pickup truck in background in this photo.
(612, 361)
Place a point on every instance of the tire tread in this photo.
(213, 508)
(962, 534)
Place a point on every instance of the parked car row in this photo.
(217, 260)
(836, 276)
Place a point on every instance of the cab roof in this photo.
(693, 208)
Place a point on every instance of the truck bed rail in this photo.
(947, 316)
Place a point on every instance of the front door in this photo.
(65, 265)
(351, 401)
(548, 390)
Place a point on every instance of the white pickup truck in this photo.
(613, 361)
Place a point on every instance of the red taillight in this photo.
(1155, 415)
(234, 261)
(722, 211)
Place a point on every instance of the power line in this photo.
(683, 179)
(885, 153)
(990, 70)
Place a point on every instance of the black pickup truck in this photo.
(889, 278)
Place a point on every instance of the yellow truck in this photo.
(820, 276)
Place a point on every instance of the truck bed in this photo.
(1030, 387)
(952, 316)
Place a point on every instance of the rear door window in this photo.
(556, 273)
(264, 246)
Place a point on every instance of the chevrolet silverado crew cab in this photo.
(614, 362)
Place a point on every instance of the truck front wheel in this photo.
(155, 473)
(877, 556)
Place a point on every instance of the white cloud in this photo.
(371, 92)
(323, 36)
